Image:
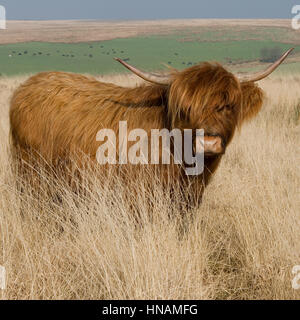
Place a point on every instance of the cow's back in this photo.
(53, 112)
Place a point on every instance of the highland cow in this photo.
(55, 115)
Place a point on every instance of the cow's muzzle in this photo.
(214, 145)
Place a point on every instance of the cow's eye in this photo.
(227, 107)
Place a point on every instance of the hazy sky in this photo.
(147, 9)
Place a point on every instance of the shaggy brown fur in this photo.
(57, 115)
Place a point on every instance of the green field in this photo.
(149, 53)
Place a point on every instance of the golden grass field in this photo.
(241, 244)
(72, 31)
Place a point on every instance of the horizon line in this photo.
(137, 19)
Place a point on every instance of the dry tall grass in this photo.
(242, 243)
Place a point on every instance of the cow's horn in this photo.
(151, 77)
(263, 74)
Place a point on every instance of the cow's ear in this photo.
(252, 100)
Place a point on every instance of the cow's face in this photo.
(206, 97)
